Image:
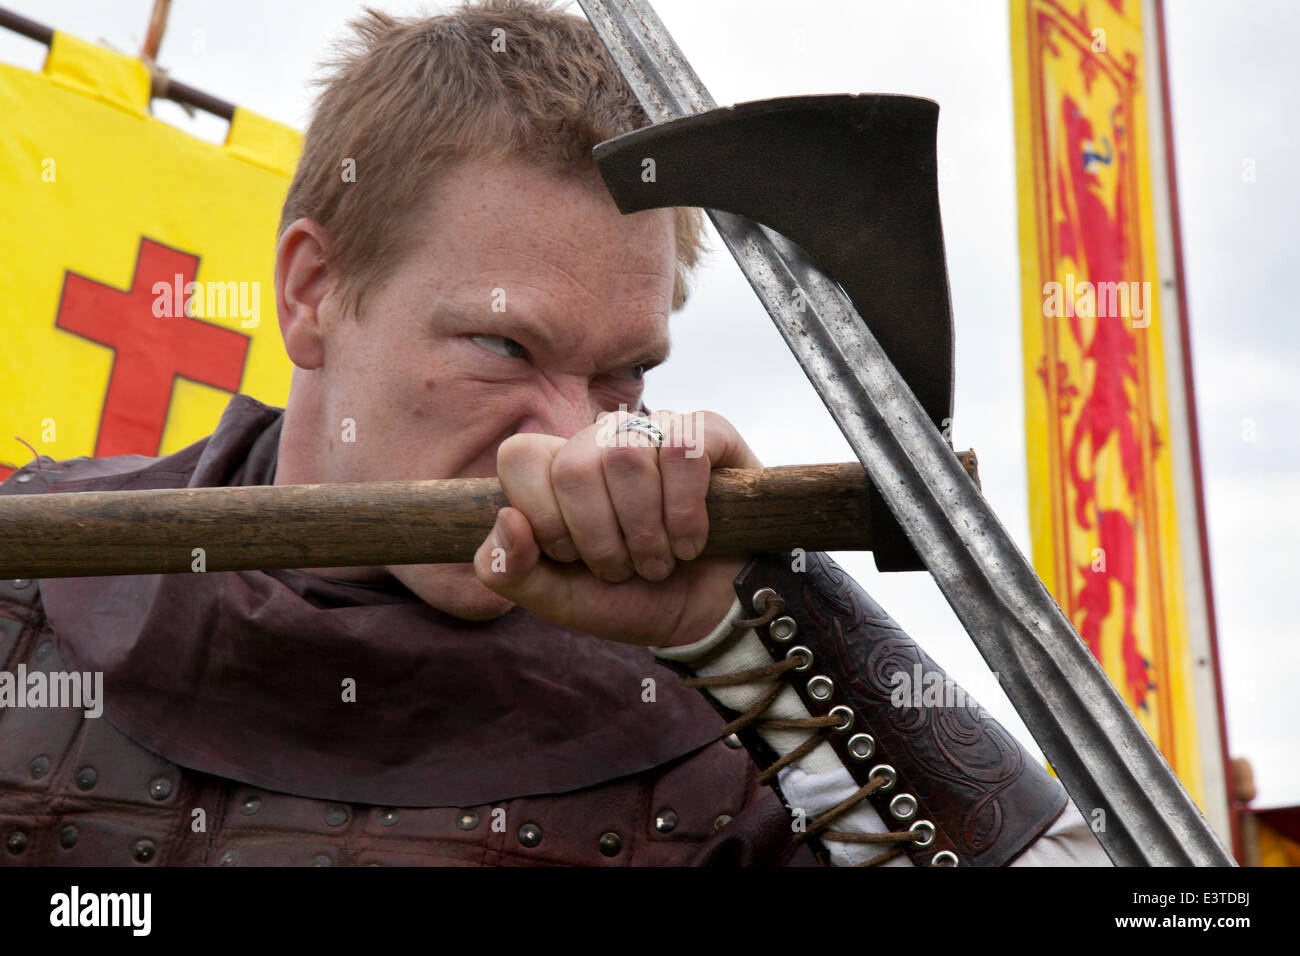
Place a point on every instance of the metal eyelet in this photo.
(927, 827)
(802, 652)
(782, 629)
(820, 687)
(845, 715)
(903, 806)
(944, 858)
(862, 746)
(888, 772)
(760, 599)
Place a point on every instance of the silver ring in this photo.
(645, 427)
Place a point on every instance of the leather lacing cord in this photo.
(775, 605)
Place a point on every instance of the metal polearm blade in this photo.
(1095, 744)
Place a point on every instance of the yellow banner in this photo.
(1101, 482)
(136, 263)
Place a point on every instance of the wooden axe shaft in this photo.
(814, 507)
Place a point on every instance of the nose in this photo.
(565, 411)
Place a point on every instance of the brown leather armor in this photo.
(75, 791)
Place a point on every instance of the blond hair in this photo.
(406, 95)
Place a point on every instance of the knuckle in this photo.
(697, 531)
(548, 526)
(685, 516)
(513, 446)
(706, 419)
(518, 450)
(605, 552)
(673, 452)
(646, 542)
(607, 561)
(569, 473)
(561, 547)
(627, 459)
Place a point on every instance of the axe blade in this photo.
(870, 218)
(1094, 742)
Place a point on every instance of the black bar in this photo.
(938, 910)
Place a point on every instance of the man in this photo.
(471, 303)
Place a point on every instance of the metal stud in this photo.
(804, 654)
(86, 778)
(903, 806)
(20, 583)
(17, 842)
(389, 818)
(665, 821)
(143, 851)
(40, 767)
(68, 837)
(26, 476)
(530, 834)
(862, 746)
(229, 858)
(760, 599)
(926, 827)
(845, 715)
(944, 858)
(320, 859)
(250, 806)
(43, 650)
(722, 821)
(468, 820)
(732, 741)
(160, 789)
(336, 816)
(886, 771)
(783, 628)
(820, 687)
(611, 844)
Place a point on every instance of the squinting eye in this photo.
(633, 373)
(500, 345)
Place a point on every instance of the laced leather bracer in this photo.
(951, 784)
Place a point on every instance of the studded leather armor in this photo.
(75, 791)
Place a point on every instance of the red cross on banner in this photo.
(151, 351)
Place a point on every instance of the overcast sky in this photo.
(1235, 83)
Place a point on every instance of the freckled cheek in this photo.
(454, 405)
(437, 397)
(425, 398)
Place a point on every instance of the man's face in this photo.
(529, 304)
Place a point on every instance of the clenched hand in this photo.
(621, 523)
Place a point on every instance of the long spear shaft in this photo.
(814, 507)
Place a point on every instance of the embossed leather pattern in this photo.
(986, 797)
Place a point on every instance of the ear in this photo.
(302, 286)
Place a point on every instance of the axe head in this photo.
(850, 179)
